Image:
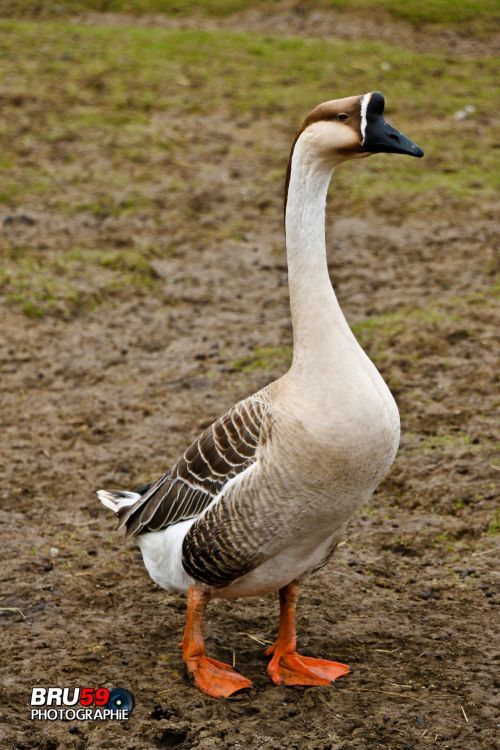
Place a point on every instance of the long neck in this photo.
(318, 322)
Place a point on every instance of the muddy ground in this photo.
(110, 396)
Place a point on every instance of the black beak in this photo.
(380, 137)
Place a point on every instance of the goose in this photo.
(261, 498)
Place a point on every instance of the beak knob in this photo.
(379, 136)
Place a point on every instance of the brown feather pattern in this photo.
(226, 543)
(220, 453)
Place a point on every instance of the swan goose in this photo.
(260, 499)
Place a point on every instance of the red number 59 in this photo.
(86, 696)
(101, 696)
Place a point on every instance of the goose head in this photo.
(351, 128)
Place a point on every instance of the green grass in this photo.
(103, 85)
(69, 283)
(135, 7)
(494, 527)
(265, 358)
(100, 121)
(450, 440)
(417, 12)
(451, 309)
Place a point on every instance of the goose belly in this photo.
(293, 562)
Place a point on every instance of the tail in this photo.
(117, 501)
(122, 502)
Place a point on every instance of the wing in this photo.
(220, 453)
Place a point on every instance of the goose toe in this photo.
(217, 679)
(294, 669)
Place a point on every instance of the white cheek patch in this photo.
(327, 136)
(364, 106)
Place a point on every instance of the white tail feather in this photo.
(115, 501)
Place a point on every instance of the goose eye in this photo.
(342, 117)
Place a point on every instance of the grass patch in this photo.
(103, 121)
(67, 284)
(81, 86)
(478, 13)
(494, 526)
(445, 540)
(46, 8)
(392, 323)
(376, 334)
(451, 440)
(418, 12)
(265, 358)
(452, 309)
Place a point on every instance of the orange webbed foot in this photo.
(294, 669)
(215, 678)
(286, 665)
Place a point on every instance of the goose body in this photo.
(261, 498)
(292, 517)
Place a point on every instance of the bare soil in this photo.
(110, 398)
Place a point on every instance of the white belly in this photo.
(162, 555)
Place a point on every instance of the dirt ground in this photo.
(109, 398)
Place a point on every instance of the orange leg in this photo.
(286, 665)
(212, 677)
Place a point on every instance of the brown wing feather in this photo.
(221, 452)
